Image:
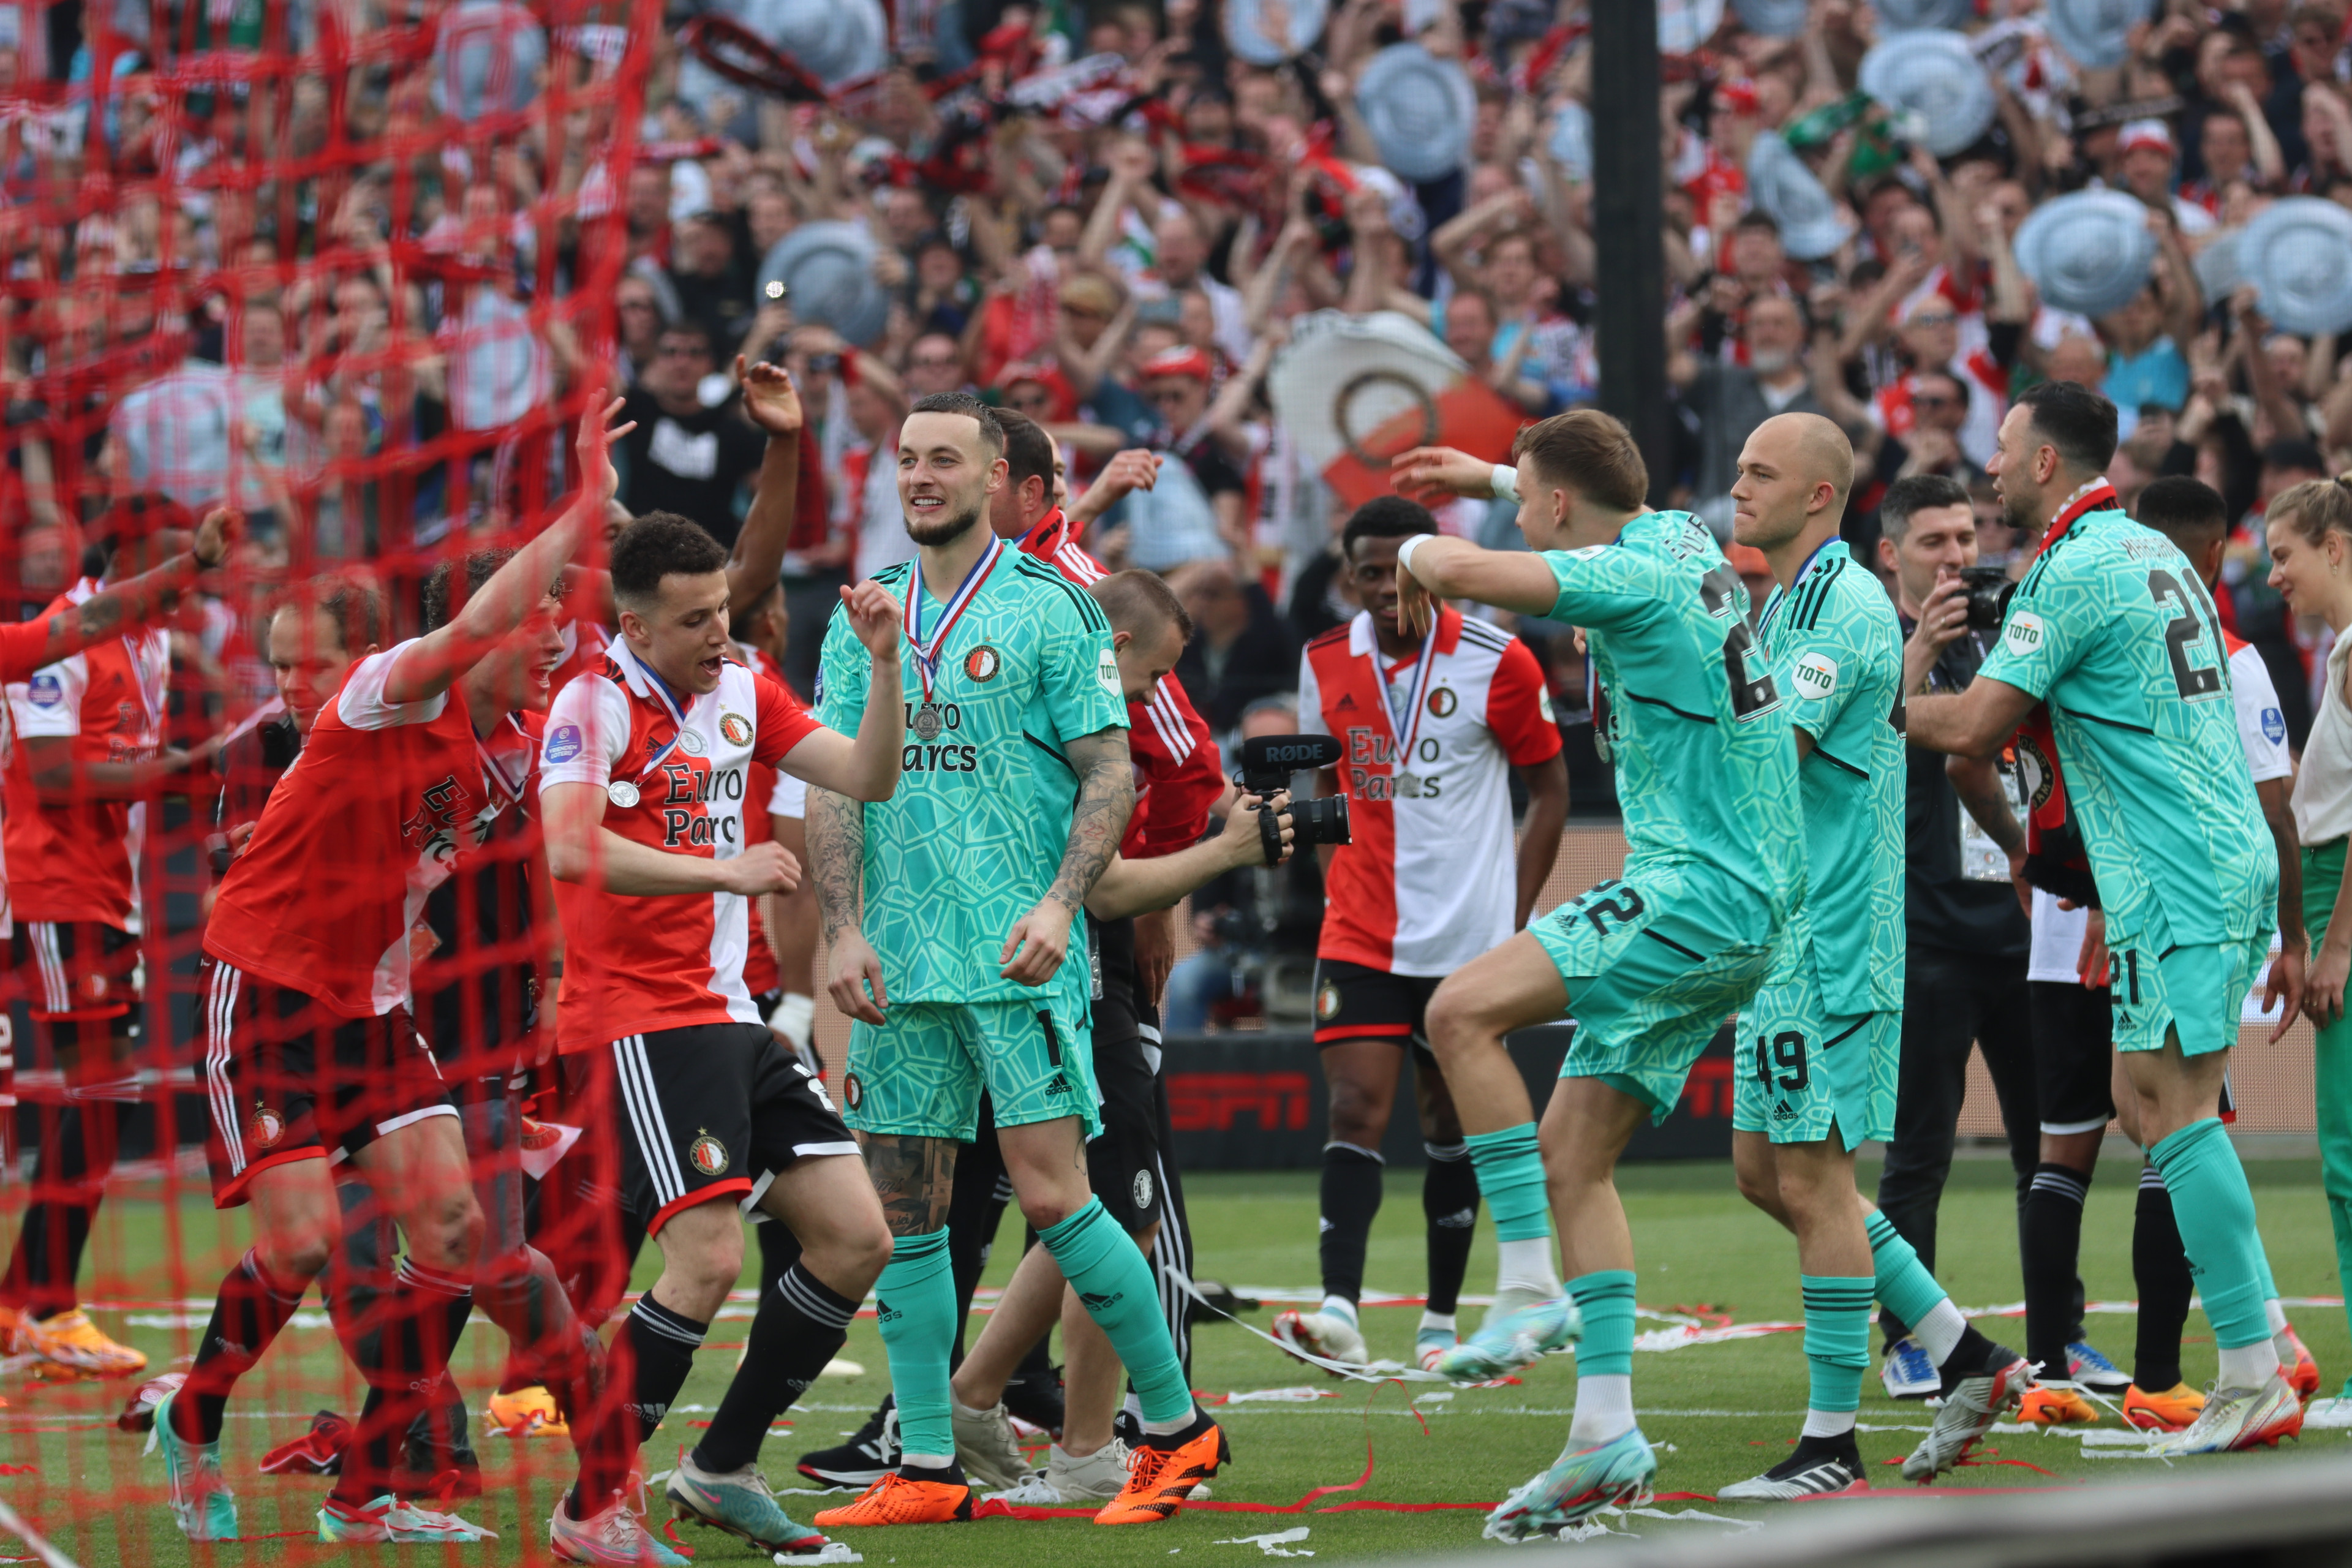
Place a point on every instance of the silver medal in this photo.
(927, 724)
(1407, 786)
(690, 741)
(621, 793)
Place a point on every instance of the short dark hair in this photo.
(685, 328)
(1028, 450)
(662, 544)
(1385, 517)
(2184, 509)
(480, 567)
(1918, 493)
(1591, 453)
(2294, 453)
(2076, 421)
(347, 598)
(1131, 598)
(992, 428)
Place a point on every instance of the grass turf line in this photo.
(101, 1501)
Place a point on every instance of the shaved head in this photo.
(1795, 474)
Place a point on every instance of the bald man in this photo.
(1818, 1048)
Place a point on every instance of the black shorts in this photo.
(2073, 1055)
(75, 968)
(713, 1110)
(287, 1079)
(1123, 1159)
(1353, 1001)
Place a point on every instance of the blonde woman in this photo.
(2310, 529)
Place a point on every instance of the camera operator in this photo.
(1428, 727)
(1251, 927)
(1965, 977)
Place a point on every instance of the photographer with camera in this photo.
(1427, 727)
(1964, 976)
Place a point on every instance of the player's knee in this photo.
(1758, 1186)
(851, 1262)
(1358, 1116)
(1453, 1019)
(1045, 1210)
(447, 1230)
(298, 1252)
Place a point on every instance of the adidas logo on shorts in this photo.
(1783, 1112)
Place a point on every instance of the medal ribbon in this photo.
(494, 770)
(1405, 731)
(927, 656)
(660, 688)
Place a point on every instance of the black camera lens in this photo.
(1323, 820)
(1988, 597)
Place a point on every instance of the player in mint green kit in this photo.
(1820, 1046)
(1649, 962)
(951, 910)
(2110, 629)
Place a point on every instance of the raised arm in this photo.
(1035, 948)
(867, 768)
(433, 663)
(758, 559)
(130, 603)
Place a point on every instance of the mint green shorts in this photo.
(2194, 990)
(1655, 963)
(922, 1074)
(1801, 1073)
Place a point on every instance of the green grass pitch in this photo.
(1721, 1412)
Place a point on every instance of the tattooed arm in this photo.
(1038, 942)
(913, 1178)
(126, 605)
(836, 842)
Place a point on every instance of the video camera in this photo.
(1268, 762)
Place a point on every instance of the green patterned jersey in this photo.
(971, 838)
(1836, 649)
(1690, 716)
(2112, 629)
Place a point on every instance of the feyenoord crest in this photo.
(708, 1155)
(982, 663)
(735, 727)
(1441, 702)
(852, 1090)
(266, 1128)
(2036, 771)
(1143, 1189)
(1327, 1001)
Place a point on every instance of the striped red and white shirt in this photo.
(1428, 882)
(1177, 775)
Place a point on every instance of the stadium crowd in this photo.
(289, 477)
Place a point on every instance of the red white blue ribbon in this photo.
(926, 653)
(1407, 728)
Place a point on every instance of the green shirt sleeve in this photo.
(844, 672)
(1078, 670)
(2048, 626)
(1605, 585)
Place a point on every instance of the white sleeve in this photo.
(587, 731)
(1310, 699)
(48, 705)
(2261, 723)
(789, 798)
(361, 704)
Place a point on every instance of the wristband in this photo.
(1404, 552)
(1506, 482)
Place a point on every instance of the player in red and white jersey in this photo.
(644, 780)
(311, 1044)
(1431, 727)
(87, 749)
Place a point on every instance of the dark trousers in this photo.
(1952, 1001)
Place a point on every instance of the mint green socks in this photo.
(2216, 1212)
(1103, 1264)
(914, 1307)
(1837, 1346)
(1605, 1300)
(1511, 1179)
